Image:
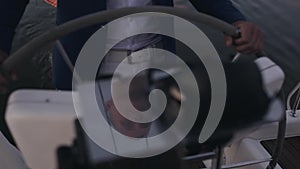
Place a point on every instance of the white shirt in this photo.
(131, 25)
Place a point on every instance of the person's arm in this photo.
(251, 36)
(222, 9)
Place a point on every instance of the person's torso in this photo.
(132, 25)
(72, 9)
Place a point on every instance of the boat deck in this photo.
(290, 157)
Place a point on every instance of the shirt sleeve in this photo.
(222, 9)
(11, 12)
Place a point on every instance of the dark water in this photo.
(279, 21)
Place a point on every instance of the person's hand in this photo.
(250, 41)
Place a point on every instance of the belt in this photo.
(115, 55)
